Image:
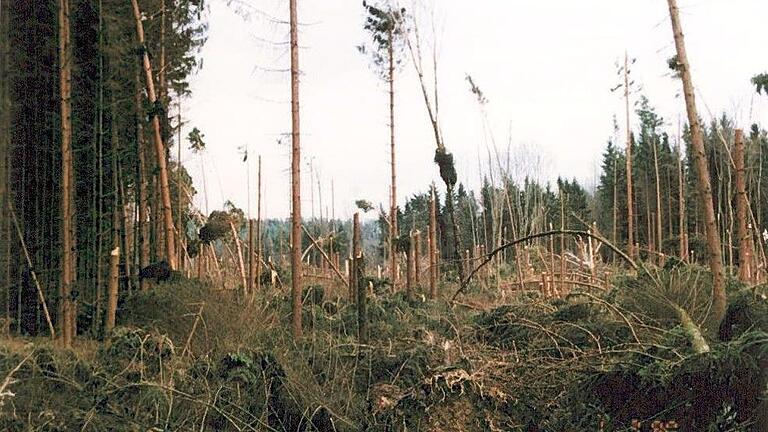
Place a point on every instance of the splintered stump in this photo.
(114, 276)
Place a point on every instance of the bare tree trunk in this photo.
(615, 203)
(295, 177)
(361, 285)
(719, 301)
(449, 207)
(5, 151)
(169, 234)
(681, 204)
(114, 277)
(249, 284)
(659, 231)
(432, 245)
(416, 257)
(32, 272)
(258, 227)
(240, 261)
(181, 230)
(630, 216)
(352, 261)
(393, 231)
(745, 249)
(409, 267)
(67, 309)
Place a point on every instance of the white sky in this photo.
(546, 66)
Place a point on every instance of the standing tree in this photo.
(295, 176)
(719, 301)
(627, 85)
(67, 308)
(742, 210)
(386, 25)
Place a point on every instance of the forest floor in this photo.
(188, 357)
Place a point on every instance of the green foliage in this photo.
(386, 27)
(195, 138)
(364, 205)
(216, 227)
(760, 81)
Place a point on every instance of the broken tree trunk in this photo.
(114, 279)
(32, 270)
(325, 256)
(361, 283)
(432, 246)
(240, 262)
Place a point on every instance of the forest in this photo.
(639, 304)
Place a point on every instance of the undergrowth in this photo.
(187, 357)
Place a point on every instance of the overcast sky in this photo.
(546, 67)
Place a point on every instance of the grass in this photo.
(188, 357)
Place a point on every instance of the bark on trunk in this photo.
(114, 277)
(681, 205)
(240, 261)
(659, 232)
(361, 284)
(67, 309)
(417, 258)
(432, 245)
(719, 301)
(630, 216)
(258, 228)
(393, 231)
(742, 206)
(169, 234)
(295, 177)
(455, 228)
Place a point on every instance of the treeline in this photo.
(667, 215)
(73, 84)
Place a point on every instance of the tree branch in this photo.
(493, 253)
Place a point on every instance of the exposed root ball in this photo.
(216, 227)
(444, 160)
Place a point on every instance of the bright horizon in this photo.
(546, 67)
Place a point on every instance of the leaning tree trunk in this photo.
(719, 301)
(295, 178)
(67, 309)
(170, 245)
